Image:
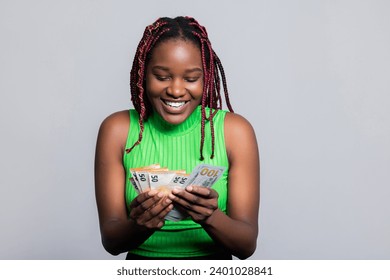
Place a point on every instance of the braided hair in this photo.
(185, 28)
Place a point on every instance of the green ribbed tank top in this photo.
(177, 147)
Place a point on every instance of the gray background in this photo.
(311, 76)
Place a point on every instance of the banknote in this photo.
(178, 181)
(160, 179)
(164, 180)
(205, 175)
(132, 181)
(143, 177)
(139, 182)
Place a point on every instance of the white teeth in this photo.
(174, 104)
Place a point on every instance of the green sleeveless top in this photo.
(177, 147)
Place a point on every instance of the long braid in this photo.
(225, 89)
(211, 88)
(205, 95)
(151, 35)
(185, 28)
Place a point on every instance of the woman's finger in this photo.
(154, 215)
(202, 191)
(195, 203)
(195, 195)
(143, 202)
(159, 220)
(142, 197)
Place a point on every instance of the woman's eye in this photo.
(162, 78)
(191, 80)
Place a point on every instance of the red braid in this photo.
(151, 35)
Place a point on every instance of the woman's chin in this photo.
(174, 119)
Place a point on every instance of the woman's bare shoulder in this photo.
(114, 128)
(236, 125)
(116, 121)
(239, 133)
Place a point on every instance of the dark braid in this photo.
(185, 28)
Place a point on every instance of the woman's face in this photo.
(174, 79)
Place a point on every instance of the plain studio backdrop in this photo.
(313, 77)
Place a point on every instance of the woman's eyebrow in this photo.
(196, 69)
(158, 67)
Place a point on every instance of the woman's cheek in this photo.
(196, 89)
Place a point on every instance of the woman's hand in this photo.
(199, 202)
(149, 209)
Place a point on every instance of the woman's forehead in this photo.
(176, 51)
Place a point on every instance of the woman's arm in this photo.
(120, 233)
(237, 231)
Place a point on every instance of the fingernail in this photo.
(168, 201)
(175, 191)
(160, 194)
(171, 196)
(189, 188)
(152, 192)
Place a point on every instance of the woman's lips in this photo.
(174, 106)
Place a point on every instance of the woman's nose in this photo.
(176, 88)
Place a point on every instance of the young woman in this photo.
(179, 123)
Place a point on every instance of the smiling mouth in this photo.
(175, 104)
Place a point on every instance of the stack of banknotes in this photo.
(156, 177)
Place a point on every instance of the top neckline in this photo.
(193, 121)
